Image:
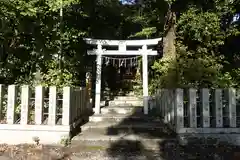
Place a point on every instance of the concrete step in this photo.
(121, 109)
(117, 125)
(126, 103)
(128, 98)
(99, 138)
(123, 118)
(115, 131)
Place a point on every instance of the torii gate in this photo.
(122, 51)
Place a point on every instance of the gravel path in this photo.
(33, 152)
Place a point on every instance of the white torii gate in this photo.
(122, 51)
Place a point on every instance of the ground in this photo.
(40, 152)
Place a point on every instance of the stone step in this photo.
(119, 144)
(122, 118)
(126, 103)
(121, 109)
(138, 132)
(128, 98)
(127, 143)
(133, 125)
(98, 138)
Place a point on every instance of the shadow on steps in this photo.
(168, 146)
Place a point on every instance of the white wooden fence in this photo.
(40, 112)
(199, 111)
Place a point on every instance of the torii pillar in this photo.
(97, 109)
(145, 78)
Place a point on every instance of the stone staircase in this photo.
(123, 123)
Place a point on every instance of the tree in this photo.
(202, 31)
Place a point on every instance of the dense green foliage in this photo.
(207, 50)
(38, 45)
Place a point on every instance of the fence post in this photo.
(11, 104)
(231, 107)
(165, 105)
(192, 93)
(205, 111)
(218, 108)
(67, 102)
(74, 103)
(81, 95)
(80, 101)
(172, 107)
(168, 105)
(1, 101)
(52, 105)
(158, 101)
(25, 97)
(161, 102)
(179, 112)
(83, 99)
(39, 103)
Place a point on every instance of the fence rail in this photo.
(199, 111)
(40, 112)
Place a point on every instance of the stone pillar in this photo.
(39, 104)
(145, 78)
(25, 100)
(11, 104)
(98, 81)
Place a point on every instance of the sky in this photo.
(236, 17)
(127, 1)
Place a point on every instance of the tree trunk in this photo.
(169, 49)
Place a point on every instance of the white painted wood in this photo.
(1, 100)
(123, 53)
(192, 107)
(39, 103)
(98, 81)
(145, 79)
(122, 47)
(205, 107)
(218, 108)
(179, 110)
(25, 99)
(11, 104)
(231, 107)
(52, 105)
(66, 108)
(127, 42)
